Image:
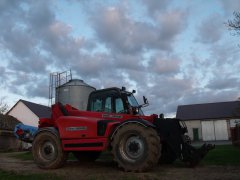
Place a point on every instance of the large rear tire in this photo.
(47, 151)
(136, 148)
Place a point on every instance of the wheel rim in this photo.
(133, 148)
(48, 150)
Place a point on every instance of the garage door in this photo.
(214, 130)
(208, 131)
(221, 131)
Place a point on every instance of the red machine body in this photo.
(81, 130)
(113, 120)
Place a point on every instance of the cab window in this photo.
(108, 105)
(119, 105)
(96, 105)
(109, 102)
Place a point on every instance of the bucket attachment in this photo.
(192, 156)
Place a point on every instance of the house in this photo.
(28, 112)
(211, 121)
(8, 141)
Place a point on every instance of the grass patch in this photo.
(13, 176)
(223, 155)
(23, 156)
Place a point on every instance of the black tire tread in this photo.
(154, 148)
(45, 164)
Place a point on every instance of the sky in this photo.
(173, 52)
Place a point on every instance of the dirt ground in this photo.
(109, 170)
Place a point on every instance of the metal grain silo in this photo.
(75, 92)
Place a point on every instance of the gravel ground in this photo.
(109, 170)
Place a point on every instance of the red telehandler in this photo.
(113, 121)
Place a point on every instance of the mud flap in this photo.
(192, 156)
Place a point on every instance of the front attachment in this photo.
(176, 144)
(192, 156)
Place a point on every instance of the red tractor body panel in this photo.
(114, 119)
(73, 127)
(99, 144)
(81, 130)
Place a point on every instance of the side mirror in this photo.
(145, 100)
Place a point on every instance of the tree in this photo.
(3, 106)
(234, 24)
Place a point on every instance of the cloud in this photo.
(122, 34)
(144, 47)
(128, 61)
(8, 7)
(166, 93)
(199, 96)
(117, 31)
(155, 6)
(172, 23)
(211, 30)
(230, 6)
(38, 89)
(221, 83)
(2, 72)
(93, 65)
(165, 66)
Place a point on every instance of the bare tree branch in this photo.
(234, 25)
(3, 106)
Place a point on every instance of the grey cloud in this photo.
(38, 42)
(20, 78)
(165, 93)
(198, 96)
(128, 61)
(93, 65)
(221, 83)
(33, 64)
(39, 39)
(40, 15)
(210, 31)
(37, 89)
(120, 33)
(8, 7)
(230, 6)
(18, 42)
(29, 84)
(2, 72)
(171, 88)
(172, 23)
(113, 27)
(164, 66)
(154, 7)
(225, 54)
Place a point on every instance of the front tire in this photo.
(136, 148)
(47, 151)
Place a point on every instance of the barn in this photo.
(210, 121)
(28, 112)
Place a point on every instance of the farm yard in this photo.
(221, 163)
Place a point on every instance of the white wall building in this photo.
(29, 113)
(211, 121)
